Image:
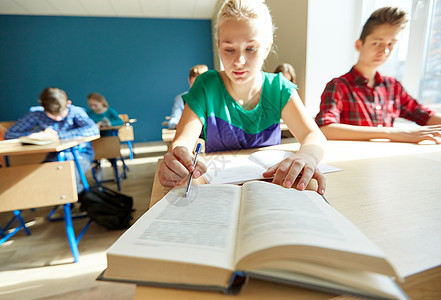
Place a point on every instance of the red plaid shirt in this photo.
(349, 100)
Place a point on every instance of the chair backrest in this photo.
(4, 126)
(126, 133)
(18, 160)
(38, 185)
(124, 117)
(106, 147)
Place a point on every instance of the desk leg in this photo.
(21, 221)
(22, 225)
(70, 232)
(129, 143)
(80, 170)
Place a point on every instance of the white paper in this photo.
(240, 169)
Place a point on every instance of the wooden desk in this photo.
(14, 147)
(30, 186)
(391, 191)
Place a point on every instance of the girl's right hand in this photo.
(177, 165)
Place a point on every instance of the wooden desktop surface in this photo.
(14, 147)
(391, 191)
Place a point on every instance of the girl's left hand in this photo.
(298, 165)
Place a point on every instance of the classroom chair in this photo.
(126, 134)
(108, 147)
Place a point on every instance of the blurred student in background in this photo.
(288, 71)
(59, 120)
(178, 105)
(103, 115)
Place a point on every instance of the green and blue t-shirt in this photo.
(226, 125)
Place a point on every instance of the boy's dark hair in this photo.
(385, 15)
(53, 100)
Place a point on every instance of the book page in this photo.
(231, 169)
(272, 215)
(199, 229)
(239, 169)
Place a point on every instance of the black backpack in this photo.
(107, 207)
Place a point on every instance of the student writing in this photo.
(59, 120)
(241, 106)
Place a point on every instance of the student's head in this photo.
(97, 102)
(55, 103)
(380, 34)
(195, 72)
(288, 71)
(244, 34)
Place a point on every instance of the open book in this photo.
(36, 141)
(262, 229)
(239, 169)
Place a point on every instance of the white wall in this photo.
(290, 18)
(333, 27)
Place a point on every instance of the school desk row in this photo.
(391, 191)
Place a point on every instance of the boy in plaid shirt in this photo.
(59, 120)
(362, 104)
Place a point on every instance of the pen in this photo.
(198, 150)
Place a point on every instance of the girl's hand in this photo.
(177, 165)
(298, 165)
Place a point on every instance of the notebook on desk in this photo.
(239, 169)
(26, 140)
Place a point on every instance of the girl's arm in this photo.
(305, 161)
(178, 162)
(114, 118)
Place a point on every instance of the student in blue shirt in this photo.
(178, 105)
(59, 120)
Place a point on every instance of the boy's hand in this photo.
(47, 134)
(177, 165)
(286, 172)
(422, 133)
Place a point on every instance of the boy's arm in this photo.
(435, 119)
(337, 131)
(363, 133)
(23, 127)
(83, 126)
